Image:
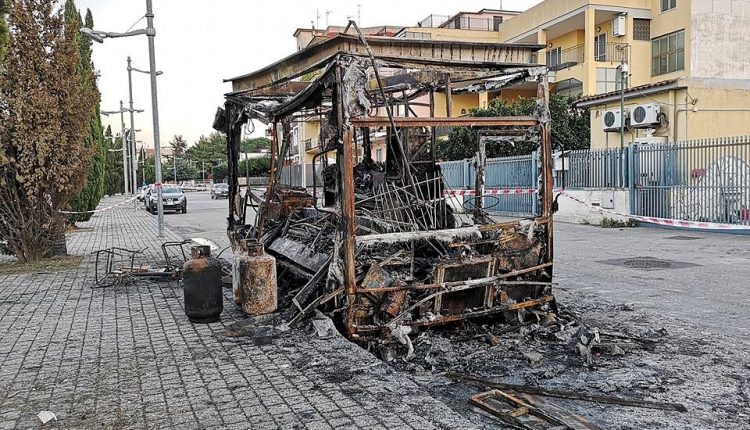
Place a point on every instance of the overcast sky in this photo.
(199, 43)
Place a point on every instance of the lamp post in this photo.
(132, 139)
(126, 188)
(150, 32)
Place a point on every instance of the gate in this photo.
(704, 180)
(501, 173)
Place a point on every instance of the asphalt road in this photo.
(205, 218)
(702, 278)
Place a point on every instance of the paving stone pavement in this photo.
(127, 357)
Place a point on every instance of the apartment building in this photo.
(688, 67)
(480, 26)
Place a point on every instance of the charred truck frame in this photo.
(381, 247)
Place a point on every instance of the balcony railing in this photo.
(567, 58)
(433, 21)
(478, 24)
(611, 52)
(311, 144)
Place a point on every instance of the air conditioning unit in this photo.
(646, 116)
(612, 119)
(619, 26)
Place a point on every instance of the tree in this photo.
(219, 172)
(3, 30)
(209, 149)
(570, 129)
(44, 118)
(260, 166)
(255, 144)
(113, 180)
(93, 191)
(186, 170)
(179, 145)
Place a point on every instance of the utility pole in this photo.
(174, 167)
(359, 14)
(623, 81)
(150, 32)
(132, 127)
(123, 138)
(143, 169)
(328, 12)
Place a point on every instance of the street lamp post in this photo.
(150, 32)
(126, 188)
(132, 69)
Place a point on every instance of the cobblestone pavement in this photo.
(127, 357)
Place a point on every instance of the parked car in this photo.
(219, 191)
(143, 192)
(173, 199)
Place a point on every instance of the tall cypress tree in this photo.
(3, 30)
(113, 182)
(93, 191)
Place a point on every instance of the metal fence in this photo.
(291, 175)
(703, 180)
(601, 168)
(505, 172)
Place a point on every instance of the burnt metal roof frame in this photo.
(404, 52)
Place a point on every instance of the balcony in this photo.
(558, 60)
(433, 21)
(311, 144)
(605, 52)
(476, 24)
(611, 52)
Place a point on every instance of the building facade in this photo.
(687, 73)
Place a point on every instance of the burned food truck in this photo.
(384, 246)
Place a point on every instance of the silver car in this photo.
(173, 199)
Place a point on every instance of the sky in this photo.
(200, 43)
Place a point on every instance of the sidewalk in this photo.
(127, 357)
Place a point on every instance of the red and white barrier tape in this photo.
(663, 221)
(494, 192)
(102, 209)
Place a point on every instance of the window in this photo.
(642, 29)
(417, 35)
(607, 80)
(668, 5)
(569, 88)
(379, 155)
(668, 53)
(554, 57)
(600, 47)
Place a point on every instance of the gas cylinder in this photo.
(201, 277)
(257, 271)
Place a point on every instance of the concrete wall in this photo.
(574, 212)
(721, 41)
